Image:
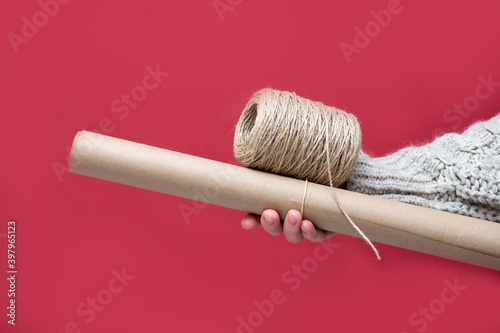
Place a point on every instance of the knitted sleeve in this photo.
(458, 173)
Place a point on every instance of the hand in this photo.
(295, 229)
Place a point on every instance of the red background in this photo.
(73, 231)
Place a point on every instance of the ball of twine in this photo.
(282, 133)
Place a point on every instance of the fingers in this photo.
(291, 226)
(270, 221)
(250, 221)
(310, 232)
(294, 228)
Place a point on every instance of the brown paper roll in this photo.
(416, 228)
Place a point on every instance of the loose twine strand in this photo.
(303, 199)
(282, 133)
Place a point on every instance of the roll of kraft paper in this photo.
(416, 228)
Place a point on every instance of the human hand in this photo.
(294, 228)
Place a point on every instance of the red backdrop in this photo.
(94, 256)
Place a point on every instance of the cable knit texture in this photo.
(458, 173)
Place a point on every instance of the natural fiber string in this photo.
(282, 133)
(303, 200)
(340, 206)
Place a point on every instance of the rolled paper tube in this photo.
(416, 228)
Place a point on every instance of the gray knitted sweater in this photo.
(458, 173)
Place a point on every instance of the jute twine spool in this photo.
(282, 133)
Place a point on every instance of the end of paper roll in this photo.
(82, 146)
(73, 155)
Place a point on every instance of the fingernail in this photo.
(292, 220)
(268, 220)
